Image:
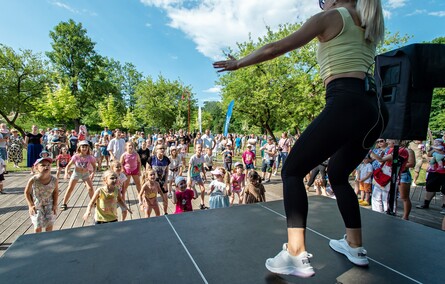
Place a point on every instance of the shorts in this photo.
(161, 184)
(435, 182)
(208, 168)
(405, 177)
(134, 172)
(196, 179)
(172, 176)
(366, 187)
(2, 178)
(267, 166)
(418, 165)
(250, 167)
(104, 222)
(44, 217)
(83, 176)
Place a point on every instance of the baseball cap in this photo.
(178, 179)
(38, 161)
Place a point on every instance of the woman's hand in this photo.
(226, 65)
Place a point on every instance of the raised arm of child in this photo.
(141, 194)
(122, 204)
(91, 204)
(67, 169)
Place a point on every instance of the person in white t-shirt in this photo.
(365, 171)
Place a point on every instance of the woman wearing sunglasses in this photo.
(348, 32)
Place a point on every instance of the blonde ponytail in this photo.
(371, 15)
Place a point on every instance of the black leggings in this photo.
(345, 129)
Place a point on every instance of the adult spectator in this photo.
(15, 149)
(252, 141)
(435, 182)
(33, 140)
(419, 149)
(159, 162)
(208, 140)
(72, 142)
(270, 150)
(141, 140)
(405, 182)
(116, 147)
(380, 202)
(283, 150)
(4, 138)
(106, 131)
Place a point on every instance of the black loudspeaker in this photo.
(405, 80)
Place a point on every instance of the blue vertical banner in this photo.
(228, 116)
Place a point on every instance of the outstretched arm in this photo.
(314, 27)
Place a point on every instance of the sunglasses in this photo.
(380, 141)
(113, 178)
(161, 148)
(321, 3)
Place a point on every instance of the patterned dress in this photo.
(43, 201)
(15, 149)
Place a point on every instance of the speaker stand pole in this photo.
(396, 163)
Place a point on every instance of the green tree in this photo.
(213, 116)
(159, 103)
(109, 114)
(437, 115)
(59, 105)
(78, 65)
(285, 93)
(23, 77)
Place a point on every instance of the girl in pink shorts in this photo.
(131, 164)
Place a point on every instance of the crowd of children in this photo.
(156, 174)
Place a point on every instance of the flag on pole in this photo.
(199, 120)
(228, 116)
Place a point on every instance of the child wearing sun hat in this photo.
(219, 191)
(41, 194)
(182, 196)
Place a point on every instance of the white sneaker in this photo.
(355, 255)
(284, 263)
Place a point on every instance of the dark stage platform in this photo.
(224, 246)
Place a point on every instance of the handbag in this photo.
(382, 175)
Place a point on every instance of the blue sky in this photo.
(181, 38)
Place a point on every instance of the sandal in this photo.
(63, 207)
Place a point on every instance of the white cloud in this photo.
(396, 3)
(437, 14)
(73, 10)
(213, 90)
(66, 7)
(148, 25)
(417, 12)
(215, 25)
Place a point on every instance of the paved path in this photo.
(14, 219)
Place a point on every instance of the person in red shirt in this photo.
(249, 159)
(183, 196)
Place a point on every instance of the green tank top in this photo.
(347, 52)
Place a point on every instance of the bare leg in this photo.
(296, 241)
(404, 195)
(67, 195)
